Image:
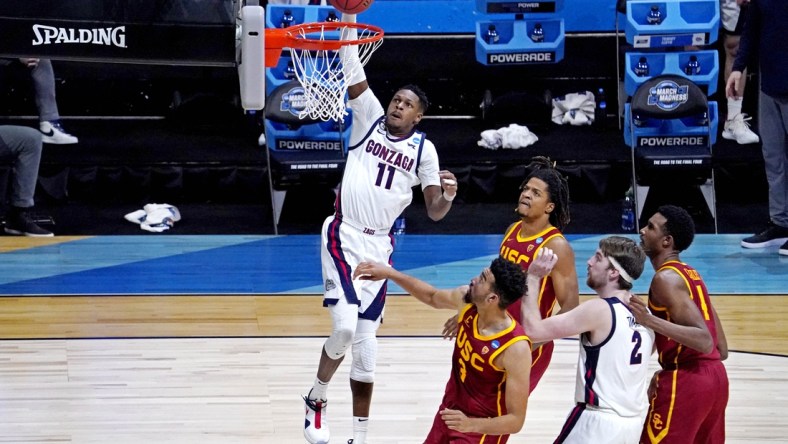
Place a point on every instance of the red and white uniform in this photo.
(476, 386)
(522, 251)
(380, 172)
(692, 391)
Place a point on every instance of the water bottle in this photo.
(628, 213)
(492, 36)
(332, 17)
(641, 70)
(537, 35)
(287, 19)
(693, 66)
(290, 73)
(600, 113)
(399, 226)
(654, 16)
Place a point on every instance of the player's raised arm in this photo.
(352, 66)
(448, 299)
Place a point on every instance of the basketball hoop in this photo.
(318, 61)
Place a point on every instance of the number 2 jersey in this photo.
(476, 386)
(614, 374)
(381, 170)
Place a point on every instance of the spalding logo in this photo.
(48, 35)
(668, 95)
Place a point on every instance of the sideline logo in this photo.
(293, 101)
(668, 95)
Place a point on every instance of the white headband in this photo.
(620, 269)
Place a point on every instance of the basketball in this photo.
(351, 6)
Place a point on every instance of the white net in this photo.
(325, 74)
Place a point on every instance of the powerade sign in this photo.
(668, 95)
(520, 58)
(522, 7)
(658, 141)
(308, 145)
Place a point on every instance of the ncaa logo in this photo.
(668, 95)
(293, 101)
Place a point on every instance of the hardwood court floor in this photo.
(246, 390)
(179, 339)
(752, 323)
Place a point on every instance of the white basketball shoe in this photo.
(738, 129)
(53, 132)
(315, 424)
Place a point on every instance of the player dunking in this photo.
(543, 208)
(690, 393)
(487, 393)
(387, 156)
(612, 368)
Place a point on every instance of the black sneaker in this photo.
(772, 235)
(20, 223)
(784, 249)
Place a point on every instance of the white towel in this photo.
(491, 139)
(517, 136)
(155, 217)
(574, 108)
(511, 137)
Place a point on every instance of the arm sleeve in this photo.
(750, 37)
(428, 166)
(366, 111)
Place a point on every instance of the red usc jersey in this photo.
(476, 386)
(522, 250)
(671, 353)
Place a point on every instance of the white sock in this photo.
(360, 430)
(318, 391)
(734, 107)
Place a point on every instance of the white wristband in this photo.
(449, 197)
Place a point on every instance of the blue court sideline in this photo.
(150, 264)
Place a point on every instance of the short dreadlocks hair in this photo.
(544, 169)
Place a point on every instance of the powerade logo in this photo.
(672, 141)
(308, 145)
(50, 35)
(668, 95)
(293, 101)
(520, 58)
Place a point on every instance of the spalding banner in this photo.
(89, 30)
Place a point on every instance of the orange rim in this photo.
(294, 36)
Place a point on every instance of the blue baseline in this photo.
(141, 265)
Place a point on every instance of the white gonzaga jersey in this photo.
(614, 374)
(380, 170)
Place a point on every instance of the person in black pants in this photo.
(23, 146)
